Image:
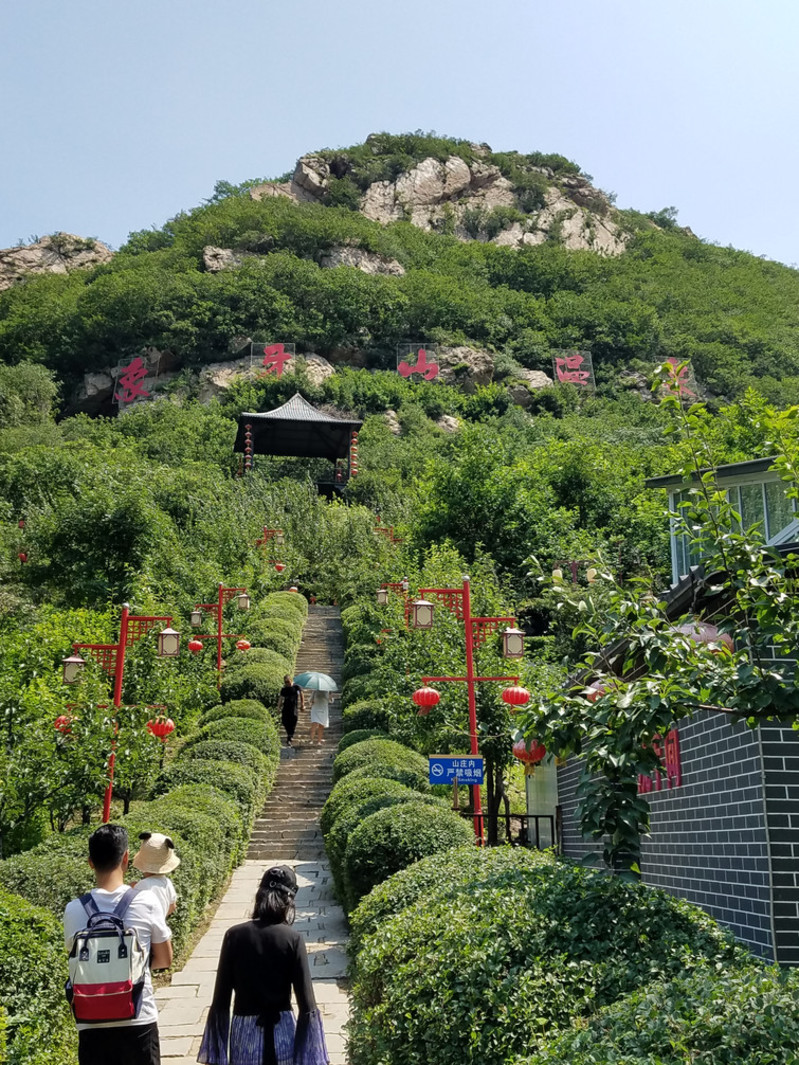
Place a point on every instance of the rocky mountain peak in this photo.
(469, 195)
(59, 253)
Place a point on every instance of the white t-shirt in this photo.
(146, 917)
(163, 889)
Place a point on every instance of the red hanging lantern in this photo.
(515, 696)
(21, 523)
(280, 566)
(160, 727)
(195, 646)
(425, 698)
(63, 724)
(594, 692)
(243, 645)
(23, 556)
(528, 752)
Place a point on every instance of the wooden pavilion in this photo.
(298, 430)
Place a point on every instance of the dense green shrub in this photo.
(358, 689)
(353, 815)
(393, 838)
(490, 972)
(237, 780)
(359, 659)
(249, 708)
(52, 873)
(33, 971)
(353, 789)
(259, 682)
(366, 713)
(282, 637)
(260, 656)
(410, 776)
(359, 735)
(261, 734)
(288, 601)
(749, 1014)
(442, 876)
(282, 644)
(229, 751)
(380, 754)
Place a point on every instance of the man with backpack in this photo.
(113, 936)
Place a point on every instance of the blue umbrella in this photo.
(319, 682)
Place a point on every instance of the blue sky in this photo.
(117, 116)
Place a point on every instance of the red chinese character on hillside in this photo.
(428, 370)
(275, 359)
(567, 368)
(129, 381)
(679, 382)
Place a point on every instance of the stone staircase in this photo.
(288, 828)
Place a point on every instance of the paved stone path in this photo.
(286, 833)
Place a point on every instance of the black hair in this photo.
(107, 846)
(274, 900)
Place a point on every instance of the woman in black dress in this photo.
(259, 964)
(290, 701)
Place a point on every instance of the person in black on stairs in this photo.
(290, 701)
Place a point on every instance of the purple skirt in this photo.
(295, 1043)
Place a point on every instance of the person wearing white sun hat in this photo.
(155, 859)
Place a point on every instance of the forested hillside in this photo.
(667, 294)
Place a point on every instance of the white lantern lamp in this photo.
(168, 643)
(196, 618)
(382, 596)
(243, 601)
(512, 643)
(422, 614)
(73, 668)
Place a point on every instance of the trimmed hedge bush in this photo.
(392, 839)
(235, 780)
(353, 815)
(249, 708)
(359, 659)
(748, 1015)
(261, 656)
(261, 734)
(441, 876)
(266, 627)
(229, 751)
(52, 873)
(288, 603)
(33, 971)
(359, 689)
(410, 777)
(405, 765)
(261, 682)
(359, 735)
(488, 973)
(367, 713)
(352, 789)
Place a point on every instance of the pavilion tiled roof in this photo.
(297, 429)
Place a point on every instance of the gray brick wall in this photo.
(781, 765)
(708, 841)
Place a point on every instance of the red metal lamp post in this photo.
(217, 610)
(476, 631)
(111, 659)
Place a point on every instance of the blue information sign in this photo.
(444, 768)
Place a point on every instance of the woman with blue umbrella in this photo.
(321, 685)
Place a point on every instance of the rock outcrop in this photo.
(466, 367)
(458, 197)
(216, 259)
(524, 383)
(60, 253)
(367, 261)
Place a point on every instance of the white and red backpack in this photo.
(107, 966)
